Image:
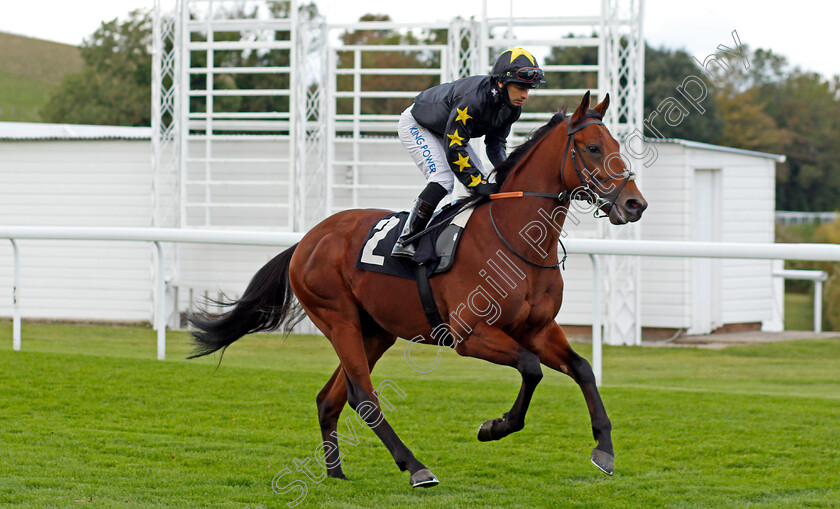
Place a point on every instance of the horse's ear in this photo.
(581, 110)
(601, 108)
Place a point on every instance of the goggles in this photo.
(528, 74)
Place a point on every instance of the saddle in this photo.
(435, 245)
(435, 249)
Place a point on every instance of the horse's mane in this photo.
(504, 170)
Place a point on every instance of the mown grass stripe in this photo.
(88, 414)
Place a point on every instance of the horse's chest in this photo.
(544, 304)
(541, 312)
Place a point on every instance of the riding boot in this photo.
(418, 218)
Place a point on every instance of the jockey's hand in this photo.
(486, 188)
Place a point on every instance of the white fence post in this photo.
(15, 300)
(160, 302)
(818, 305)
(596, 318)
(777, 321)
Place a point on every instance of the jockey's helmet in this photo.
(518, 66)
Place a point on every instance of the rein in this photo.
(521, 194)
(563, 197)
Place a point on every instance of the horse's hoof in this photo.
(423, 478)
(485, 431)
(603, 460)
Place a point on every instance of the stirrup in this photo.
(403, 250)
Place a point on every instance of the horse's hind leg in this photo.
(330, 401)
(338, 318)
(333, 396)
(491, 344)
(554, 351)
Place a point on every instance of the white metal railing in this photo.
(591, 247)
(157, 236)
(818, 277)
(787, 217)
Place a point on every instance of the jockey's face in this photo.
(517, 93)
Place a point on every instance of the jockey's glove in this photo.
(486, 188)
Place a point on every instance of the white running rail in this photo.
(818, 277)
(592, 247)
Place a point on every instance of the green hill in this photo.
(29, 69)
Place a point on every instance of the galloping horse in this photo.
(357, 311)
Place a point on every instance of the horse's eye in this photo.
(594, 148)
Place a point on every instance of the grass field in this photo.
(29, 70)
(88, 417)
(799, 311)
(22, 98)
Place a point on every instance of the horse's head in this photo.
(593, 168)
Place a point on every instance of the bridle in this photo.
(589, 194)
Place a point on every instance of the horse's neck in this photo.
(539, 169)
(538, 221)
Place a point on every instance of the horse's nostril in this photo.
(635, 206)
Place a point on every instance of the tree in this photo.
(746, 125)
(738, 97)
(765, 67)
(665, 70)
(247, 59)
(114, 87)
(404, 59)
(565, 55)
(806, 106)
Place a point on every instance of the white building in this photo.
(697, 192)
(55, 175)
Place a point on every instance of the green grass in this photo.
(29, 70)
(799, 311)
(22, 98)
(87, 414)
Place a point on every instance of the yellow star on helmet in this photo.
(515, 52)
(463, 162)
(455, 138)
(462, 115)
(476, 179)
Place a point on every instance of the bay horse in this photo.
(362, 313)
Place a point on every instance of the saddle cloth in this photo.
(435, 249)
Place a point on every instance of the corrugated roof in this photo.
(779, 158)
(37, 131)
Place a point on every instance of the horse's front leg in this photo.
(554, 351)
(491, 344)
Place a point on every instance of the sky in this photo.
(806, 31)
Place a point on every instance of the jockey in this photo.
(437, 128)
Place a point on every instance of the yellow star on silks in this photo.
(515, 52)
(455, 138)
(462, 115)
(476, 179)
(463, 161)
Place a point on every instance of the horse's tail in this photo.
(268, 303)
